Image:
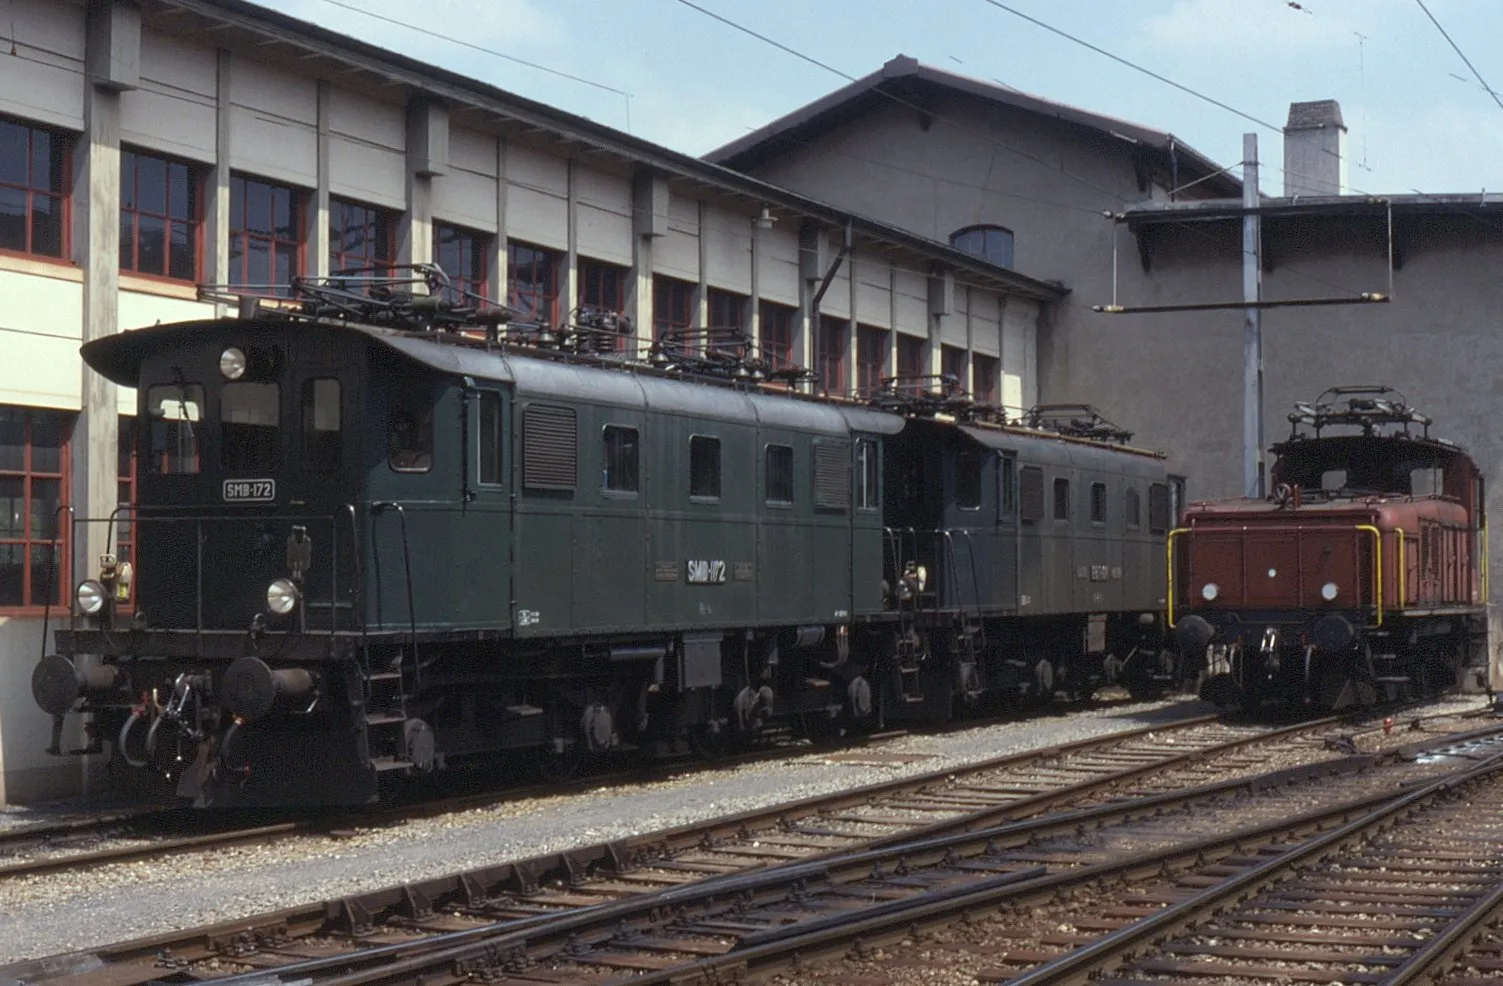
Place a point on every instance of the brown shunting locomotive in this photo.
(1362, 578)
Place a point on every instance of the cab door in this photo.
(321, 471)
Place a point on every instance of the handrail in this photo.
(1484, 563)
(1377, 568)
(1169, 573)
(1403, 572)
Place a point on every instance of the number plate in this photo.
(250, 490)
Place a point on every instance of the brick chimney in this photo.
(1315, 149)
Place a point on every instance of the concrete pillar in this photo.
(568, 288)
(649, 221)
(499, 257)
(427, 158)
(702, 292)
(317, 236)
(113, 58)
(217, 187)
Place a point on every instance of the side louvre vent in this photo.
(550, 448)
(1031, 493)
(832, 475)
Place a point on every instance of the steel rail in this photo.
(393, 963)
(1086, 964)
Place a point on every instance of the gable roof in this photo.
(904, 78)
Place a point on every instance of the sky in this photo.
(1418, 118)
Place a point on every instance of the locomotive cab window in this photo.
(409, 441)
(249, 426)
(490, 438)
(1098, 503)
(704, 467)
(1158, 509)
(968, 463)
(868, 475)
(780, 475)
(1061, 499)
(620, 447)
(321, 428)
(175, 412)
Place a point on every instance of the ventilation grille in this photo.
(1031, 493)
(832, 475)
(550, 447)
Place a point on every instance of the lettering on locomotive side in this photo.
(704, 572)
(250, 490)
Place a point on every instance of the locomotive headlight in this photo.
(1209, 591)
(232, 363)
(89, 596)
(281, 597)
(1328, 591)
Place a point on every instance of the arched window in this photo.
(990, 243)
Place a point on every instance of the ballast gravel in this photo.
(51, 914)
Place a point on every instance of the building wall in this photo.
(236, 113)
(974, 163)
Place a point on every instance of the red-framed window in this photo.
(871, 358)
(266, 235)
(984, 378)
(830, 346)
(952, 363)
(125, 486)
(777, 334)
(672, 306)
(602, 287)
(360, 235)
(33, 485)
(912, 362)
(35, 174)
(464, 256)
(532, 281)
(161, 219)
(727, 310)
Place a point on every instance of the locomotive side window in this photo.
(175, 412)
(1098, 503)
(321, 431)
(550, 448)
(1132, 507)
(1333, 479)
(1158, 509)
(620, 473)
(704, 467)
(249, 436)
(868, 475)
(968, 463)
(1061, 499)
(409, 439)
(780, 474)
(1031, 496)
(490, 438)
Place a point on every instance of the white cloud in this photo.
(1242, 25)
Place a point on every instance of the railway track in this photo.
(1101, 775)
(127, 835)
